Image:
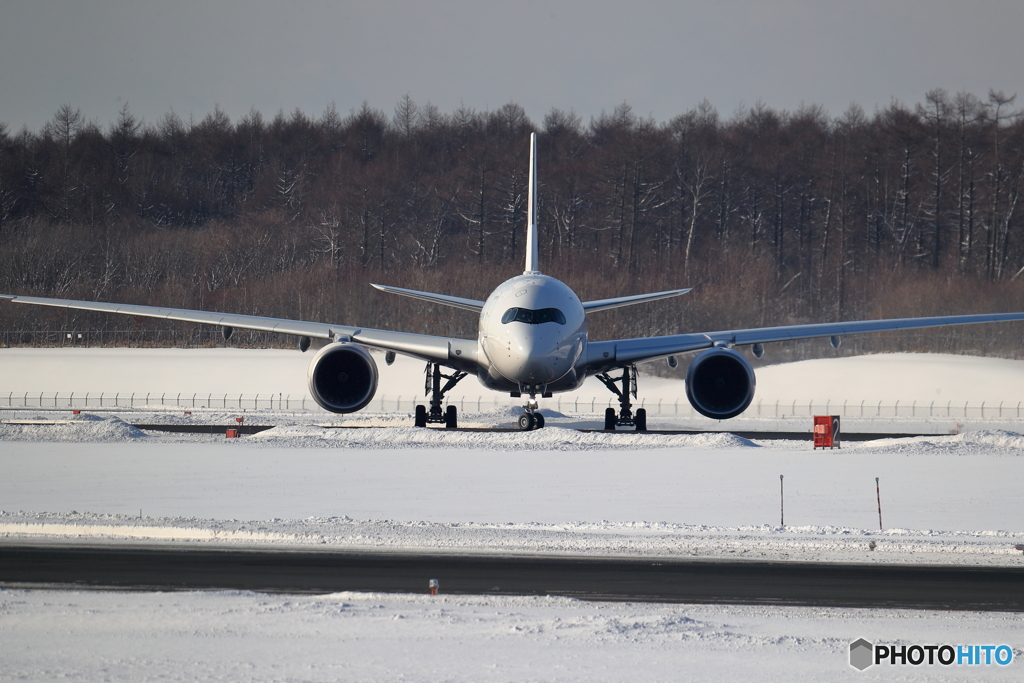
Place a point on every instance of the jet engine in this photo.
(343, 377)
(720, 383)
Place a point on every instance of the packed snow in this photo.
(373, 637)
(371, 482)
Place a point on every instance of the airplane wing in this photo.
(606, 355)
(444, 299)
(605, 304)
(458, 353)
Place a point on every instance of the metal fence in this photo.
(567, 404)
(155, 399)
(192, 337)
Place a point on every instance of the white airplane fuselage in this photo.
(533, 332)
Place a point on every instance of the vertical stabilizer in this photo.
(532, 263)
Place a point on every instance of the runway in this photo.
(588, 578)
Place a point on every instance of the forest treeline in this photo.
(773, 217)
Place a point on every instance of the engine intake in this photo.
(720, 383)
(343, 377)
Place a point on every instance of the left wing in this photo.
(605, 355)
(458, 353)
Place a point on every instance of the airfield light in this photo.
(434, 586)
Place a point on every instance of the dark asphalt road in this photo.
(692, 581)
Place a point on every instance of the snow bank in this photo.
(82, 429)
(551, 438)
(967, 443)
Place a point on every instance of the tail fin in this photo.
(532, 262)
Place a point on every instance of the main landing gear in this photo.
(626, 417)
(432, 387)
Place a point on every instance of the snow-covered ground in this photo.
(95, 478)
(947, 499)
(906, 393)
(226, 636)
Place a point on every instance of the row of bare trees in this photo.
(774, 216)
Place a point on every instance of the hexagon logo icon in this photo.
(861, 654)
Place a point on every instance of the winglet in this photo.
(532, 262)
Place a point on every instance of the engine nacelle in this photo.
(343, 377)
(720, 383)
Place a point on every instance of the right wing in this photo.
(605, 304)
(606, 355)
(458, 353)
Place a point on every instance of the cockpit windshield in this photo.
(530, 317)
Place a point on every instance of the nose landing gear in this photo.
(528, 421)
(625, 417)
(531, 419)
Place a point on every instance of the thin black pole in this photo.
(878, 495)
(782, 503)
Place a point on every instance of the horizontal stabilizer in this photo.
(456, 301)
(604, 304)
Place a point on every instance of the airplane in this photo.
(531, 340)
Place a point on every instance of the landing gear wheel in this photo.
(640, 419)
(539, 420)
(610, 419)
(526, 422)
(435, 390)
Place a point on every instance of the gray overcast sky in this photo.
(662, 57)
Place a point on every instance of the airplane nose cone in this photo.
(532, 356)
(531, 348)
(536, 371)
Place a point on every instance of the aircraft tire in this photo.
(640, 420)
(610, 418)
(451, 418)
(526, 422)
(421, 416)
(539, 419)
